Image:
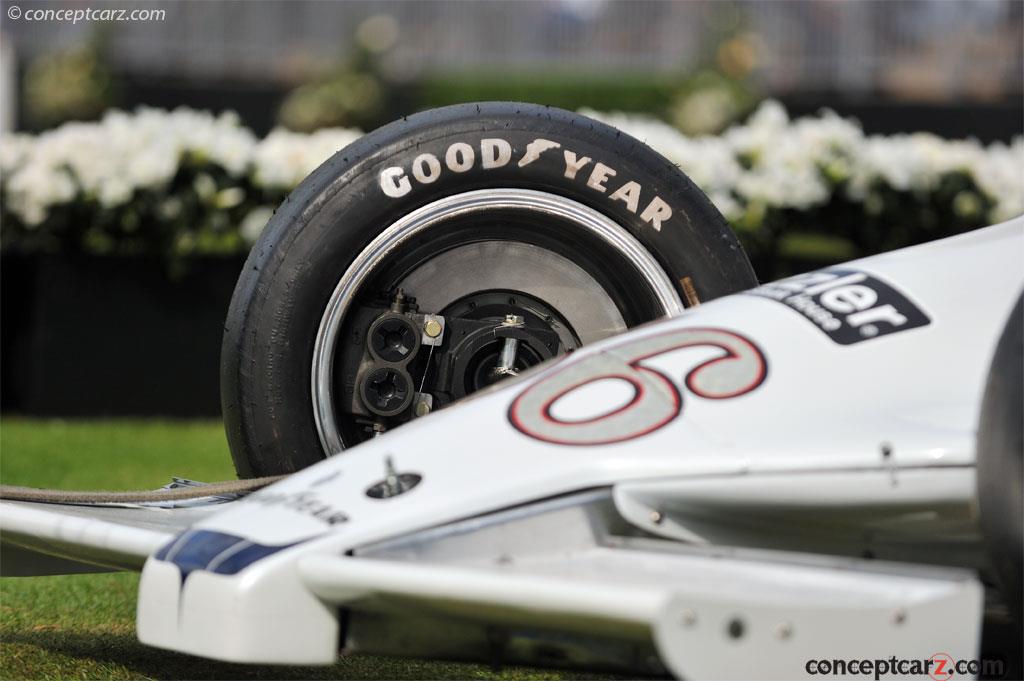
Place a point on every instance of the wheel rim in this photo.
(537, 204)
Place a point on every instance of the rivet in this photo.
(899, 617)
(657, 517)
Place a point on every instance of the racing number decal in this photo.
(656, 400)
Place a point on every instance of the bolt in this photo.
(432, 328)
(513, 320)
(391, 480)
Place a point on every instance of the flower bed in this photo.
(186, 182)
(819, 187)
(153, 182)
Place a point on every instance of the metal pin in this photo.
(507, 359)
(391, 480)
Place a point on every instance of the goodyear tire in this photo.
(528, 187)
(1000, 455)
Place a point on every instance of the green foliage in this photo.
(66, 86)
(344, 98)
(606, 91)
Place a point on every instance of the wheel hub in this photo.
(572, 274)
(411, 363)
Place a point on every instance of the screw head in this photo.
(432, 328)
(657, 517)
(784, 631)
(688, 618)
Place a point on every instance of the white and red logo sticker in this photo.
(656, 400)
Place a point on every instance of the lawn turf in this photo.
(83, 626)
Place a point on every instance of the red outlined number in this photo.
(656, 400)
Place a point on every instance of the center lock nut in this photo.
(387, 391)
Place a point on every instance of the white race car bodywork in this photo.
(700, 494)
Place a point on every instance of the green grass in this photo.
(83, 626)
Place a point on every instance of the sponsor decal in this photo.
(306, 503)
(848, 305)
(494, 152)
(656, 399)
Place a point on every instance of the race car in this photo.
(500, 384)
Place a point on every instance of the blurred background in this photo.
(140, 159)
(949, 66)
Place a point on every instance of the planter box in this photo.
(112, 336)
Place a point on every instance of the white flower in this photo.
(284, 158)
(254, 222)
(110, 160)
(34, 188)
(14, 149)
(1000, 174)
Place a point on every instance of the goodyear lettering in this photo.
(491, 153)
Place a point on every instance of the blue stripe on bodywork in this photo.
(199, 549)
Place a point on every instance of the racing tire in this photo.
(491, 198)
(1000, 455)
